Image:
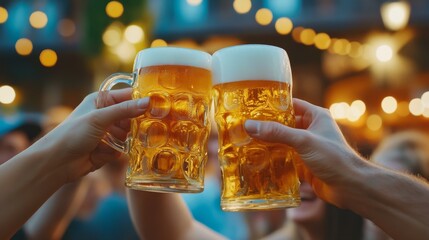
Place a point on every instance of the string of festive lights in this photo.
(355, 111)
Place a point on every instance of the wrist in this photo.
(47, 153)
(352, 186)
(356, 187)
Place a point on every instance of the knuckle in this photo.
(302, 138)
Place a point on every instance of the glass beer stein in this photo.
(254, 82)
(167, 146)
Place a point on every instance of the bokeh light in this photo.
(358, 106)
(3, 15)
(341, 47)
(425, 113)
(425, 99)
(194, 2)
(374, 122)
(66, 27)
(125, 51)
(113, 35)
(114, 9)
(134, 34)
(296, 34)
(389, 104)
(353, 115)
(24, 46)
(242, 6)
(384, 53)
(264, 16)
(158, 43)
(356, 50)
(284, 25)
(7, 94)
(307, 36)
(48, 58)
(38, 19)
(339, 110)
(396, 14)
(322, 41)
(416, 107)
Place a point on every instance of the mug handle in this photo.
(103, 92)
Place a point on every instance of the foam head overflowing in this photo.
(172, 56)
(251, 62)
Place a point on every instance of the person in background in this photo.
(406, 151)
(315, 219)
(17, 133)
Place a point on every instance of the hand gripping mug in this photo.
(167, 146)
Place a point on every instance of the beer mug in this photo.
(167, 146)
(254, 82)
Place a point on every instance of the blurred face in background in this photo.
(312, 209)
(405, 152)
(11, 144)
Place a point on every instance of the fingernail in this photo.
(143, 102)
(252, 126)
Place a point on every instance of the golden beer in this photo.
(167, 145)
(255, 174)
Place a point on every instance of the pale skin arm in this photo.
(53, 218)
(67, 153)
(165, 216)
(396, 202)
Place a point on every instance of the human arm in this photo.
(67, 153)
(52, 219)
(165, 216)
(342, 177)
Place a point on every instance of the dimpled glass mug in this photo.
(254, 82)
(167, 146)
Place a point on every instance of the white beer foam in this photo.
(251, 62)
(172, 56)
